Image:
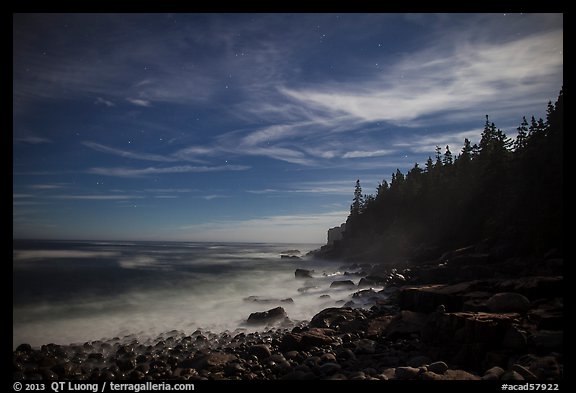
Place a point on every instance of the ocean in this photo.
(77, 291)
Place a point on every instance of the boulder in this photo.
(494, 373)
(372, 281)
(271, 316)
(404, 373)
(258, 299)
(333, 317)
(364, 293)
(508, 302)
(438, 367)
(526, 374)
(342, 284)
(460, 375)
(377, 326)
(261, 351)
(314, 337)
(329, 368)
(364, 346)
(303, 273)
(405, 324)
(545, 367)
(210, 360)
(465, 338)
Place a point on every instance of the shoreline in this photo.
(430, 326)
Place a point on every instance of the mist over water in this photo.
(72, 292)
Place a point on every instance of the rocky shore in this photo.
(468, 315)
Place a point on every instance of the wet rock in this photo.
(508, 302)
(211, 360)
(314, 337)
(271, 316)
(494, 373)
(405, 323)
(365, 293)
(545, 367)
(303, 273)
(431, 376)
(24, 348)
(261, 351)
(364, 346)
(233, 368)
(342, 284)
(258, 299)
(438, 367)
(406, 373)
(126, 364)
(376, 326)
(465, 338)
(459, 375)
(526, 374)
(357, 376)
(512, 376)
(332, 317)
(372, 281)
(330, 368)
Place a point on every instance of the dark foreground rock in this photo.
(267, 317)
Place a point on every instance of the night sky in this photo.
(252, 127)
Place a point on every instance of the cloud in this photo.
(277, 153)
(322, 187)
(46, 186)
(33, 140)
(440, 81)
(427, 143)
(102, 101)
(211, 197)
(367, 154)
(128, 154)
(97, 197)
(138, 172)
(138, 102)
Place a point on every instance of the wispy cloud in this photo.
(170, 190)
(97, 197)
(33, 140)
(215, 196)
(366, 154)
(427, 143)
(128, 154)
(46, 186)
(138, 172)
(102, 101)
(441, 80)
(139, 102)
